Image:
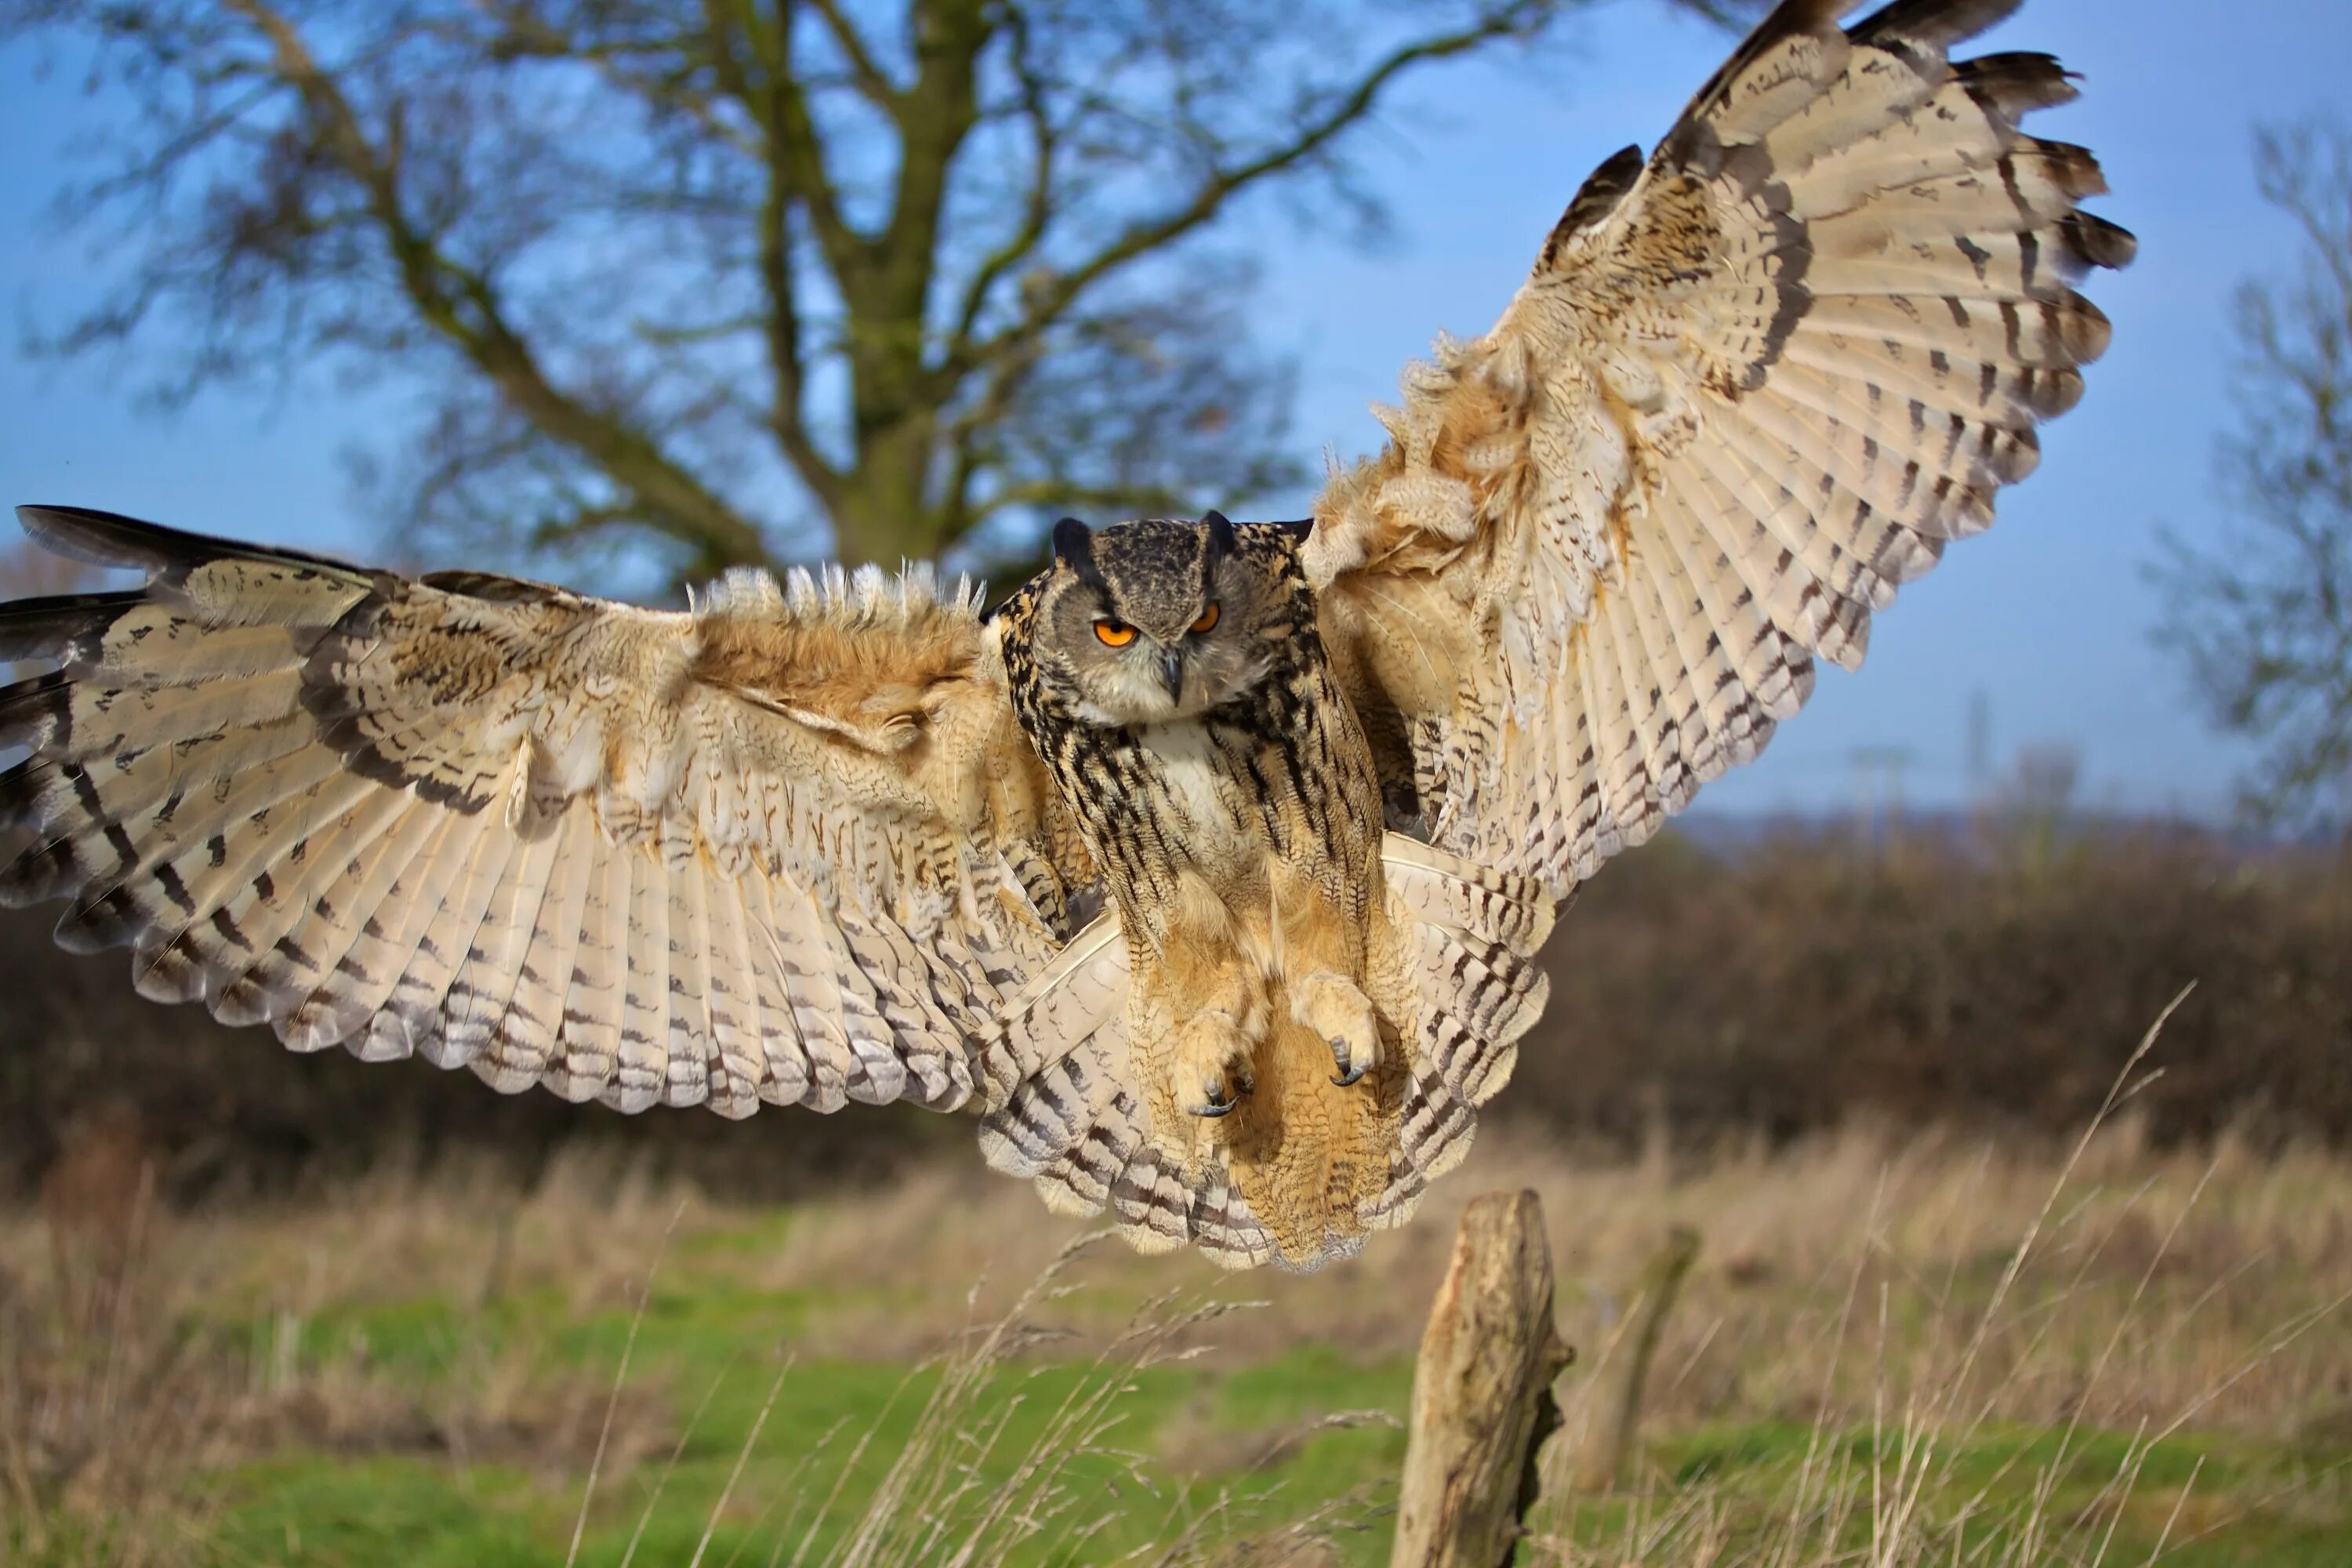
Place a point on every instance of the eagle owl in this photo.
(1210, 869)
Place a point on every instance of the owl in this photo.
(1210, 869)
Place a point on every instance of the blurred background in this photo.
(623, 292)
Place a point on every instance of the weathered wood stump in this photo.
(1481, 1392)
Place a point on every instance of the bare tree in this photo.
(729, 275)
(2264, 620)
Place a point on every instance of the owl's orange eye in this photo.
(1208, 621)
(1114, 634)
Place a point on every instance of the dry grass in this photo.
(2189, 1259)
(1862, 1282)
(142, 1353)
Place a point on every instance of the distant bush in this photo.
(1996, 973)
(229, 1113)
(1989, 975)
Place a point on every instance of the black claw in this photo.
(1347, 1075)
(1216, 1108)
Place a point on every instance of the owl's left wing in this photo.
(789, 846)
(1753, 385)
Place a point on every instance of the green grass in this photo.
(2198, 1500)
(326, 1384)
(719, 1366)
(717, 1358)
(2206, 1499)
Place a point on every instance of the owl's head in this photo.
(1145, 622)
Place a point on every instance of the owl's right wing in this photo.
(788, 847)
(1755, 382)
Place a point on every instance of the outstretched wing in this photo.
(1753, 385)
(788, 847)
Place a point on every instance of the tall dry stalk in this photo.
(1901, 1505)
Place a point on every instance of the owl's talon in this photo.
(1219, 1099)
(1213, 1055)
(1350, 1072)
(1336, 1009)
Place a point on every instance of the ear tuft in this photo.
(1073, 543)
(1221, 534)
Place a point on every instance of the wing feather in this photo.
(589, 1042)
(295, 940)
(481, 995)
(788, 1077)
(445, 936)
(786, 846)
(641, 1075)
(1751, 387)
(337, 993)
(525, 1031)
(734, 992)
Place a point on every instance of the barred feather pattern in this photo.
(784, 848)
(1062, 1109)
(1755, 384)
(1475, 932)
(1075, 1128)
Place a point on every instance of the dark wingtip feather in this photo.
(112, 920)
(45, 871)
(45, 628)
(107, 539)
(110, 539)
(2099, 242)
(33, 712)
(1939, 24)
(162, 972)
(2016, 84)
(21, 790)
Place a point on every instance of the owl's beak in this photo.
(1172, 674)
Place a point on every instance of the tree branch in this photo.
(592, 219)
(870, 78)
(787, 415)
(462, 307)
(1037, 204)
(1148, 236)
(753, 63)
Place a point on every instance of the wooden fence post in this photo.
(1481, 1392)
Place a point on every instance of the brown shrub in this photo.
(229, 1114)
(1968, 977)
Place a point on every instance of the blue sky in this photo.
(2050, 617)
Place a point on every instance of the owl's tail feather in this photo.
(1064, 1111)
(1075, 1129)
(1472, 934)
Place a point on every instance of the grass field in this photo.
(1896, 1351)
